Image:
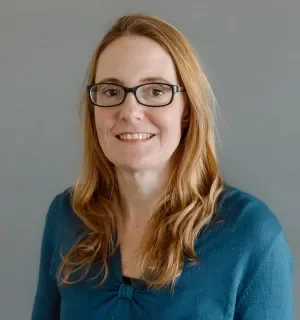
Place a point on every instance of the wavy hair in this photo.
(190, 199)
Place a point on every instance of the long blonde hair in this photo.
(189, 201)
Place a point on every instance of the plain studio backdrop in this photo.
(250, 51)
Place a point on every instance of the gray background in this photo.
(250, 51)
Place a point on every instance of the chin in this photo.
(134, 166)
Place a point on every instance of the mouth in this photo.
(135, 138)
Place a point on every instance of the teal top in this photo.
(245, 272)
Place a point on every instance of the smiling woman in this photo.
(150, 230)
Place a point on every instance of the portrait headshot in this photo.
(150, 217)
(160, 170)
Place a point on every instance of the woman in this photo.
(150, 230)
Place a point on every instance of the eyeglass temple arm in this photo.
(180, 89)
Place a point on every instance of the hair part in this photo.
(190, 200)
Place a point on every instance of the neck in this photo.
(139, 191)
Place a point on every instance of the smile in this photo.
(133, 138)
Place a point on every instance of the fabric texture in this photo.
(245, 272)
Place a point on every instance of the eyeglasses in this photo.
(155, 94)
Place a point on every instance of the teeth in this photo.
(136, 136)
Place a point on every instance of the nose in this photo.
(130, 109)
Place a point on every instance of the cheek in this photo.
(103, 121)
(170, 122)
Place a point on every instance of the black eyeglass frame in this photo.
(175, 88)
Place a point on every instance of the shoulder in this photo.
(59, 205)
(62, 223)
(248, 233)
(248, 218)
(62, 198)
(255, 247)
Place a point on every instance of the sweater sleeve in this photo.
(47, 297)
(268, 295)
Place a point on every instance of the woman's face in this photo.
(133, 61)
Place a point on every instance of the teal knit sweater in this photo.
(245, 272)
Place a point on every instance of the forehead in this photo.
(133, 58)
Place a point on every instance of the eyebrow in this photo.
(144, 80)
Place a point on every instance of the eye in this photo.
(156, 92)
(111, 92)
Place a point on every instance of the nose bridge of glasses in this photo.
(132, 90)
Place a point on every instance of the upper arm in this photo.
(47, 297)
(268, 295)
